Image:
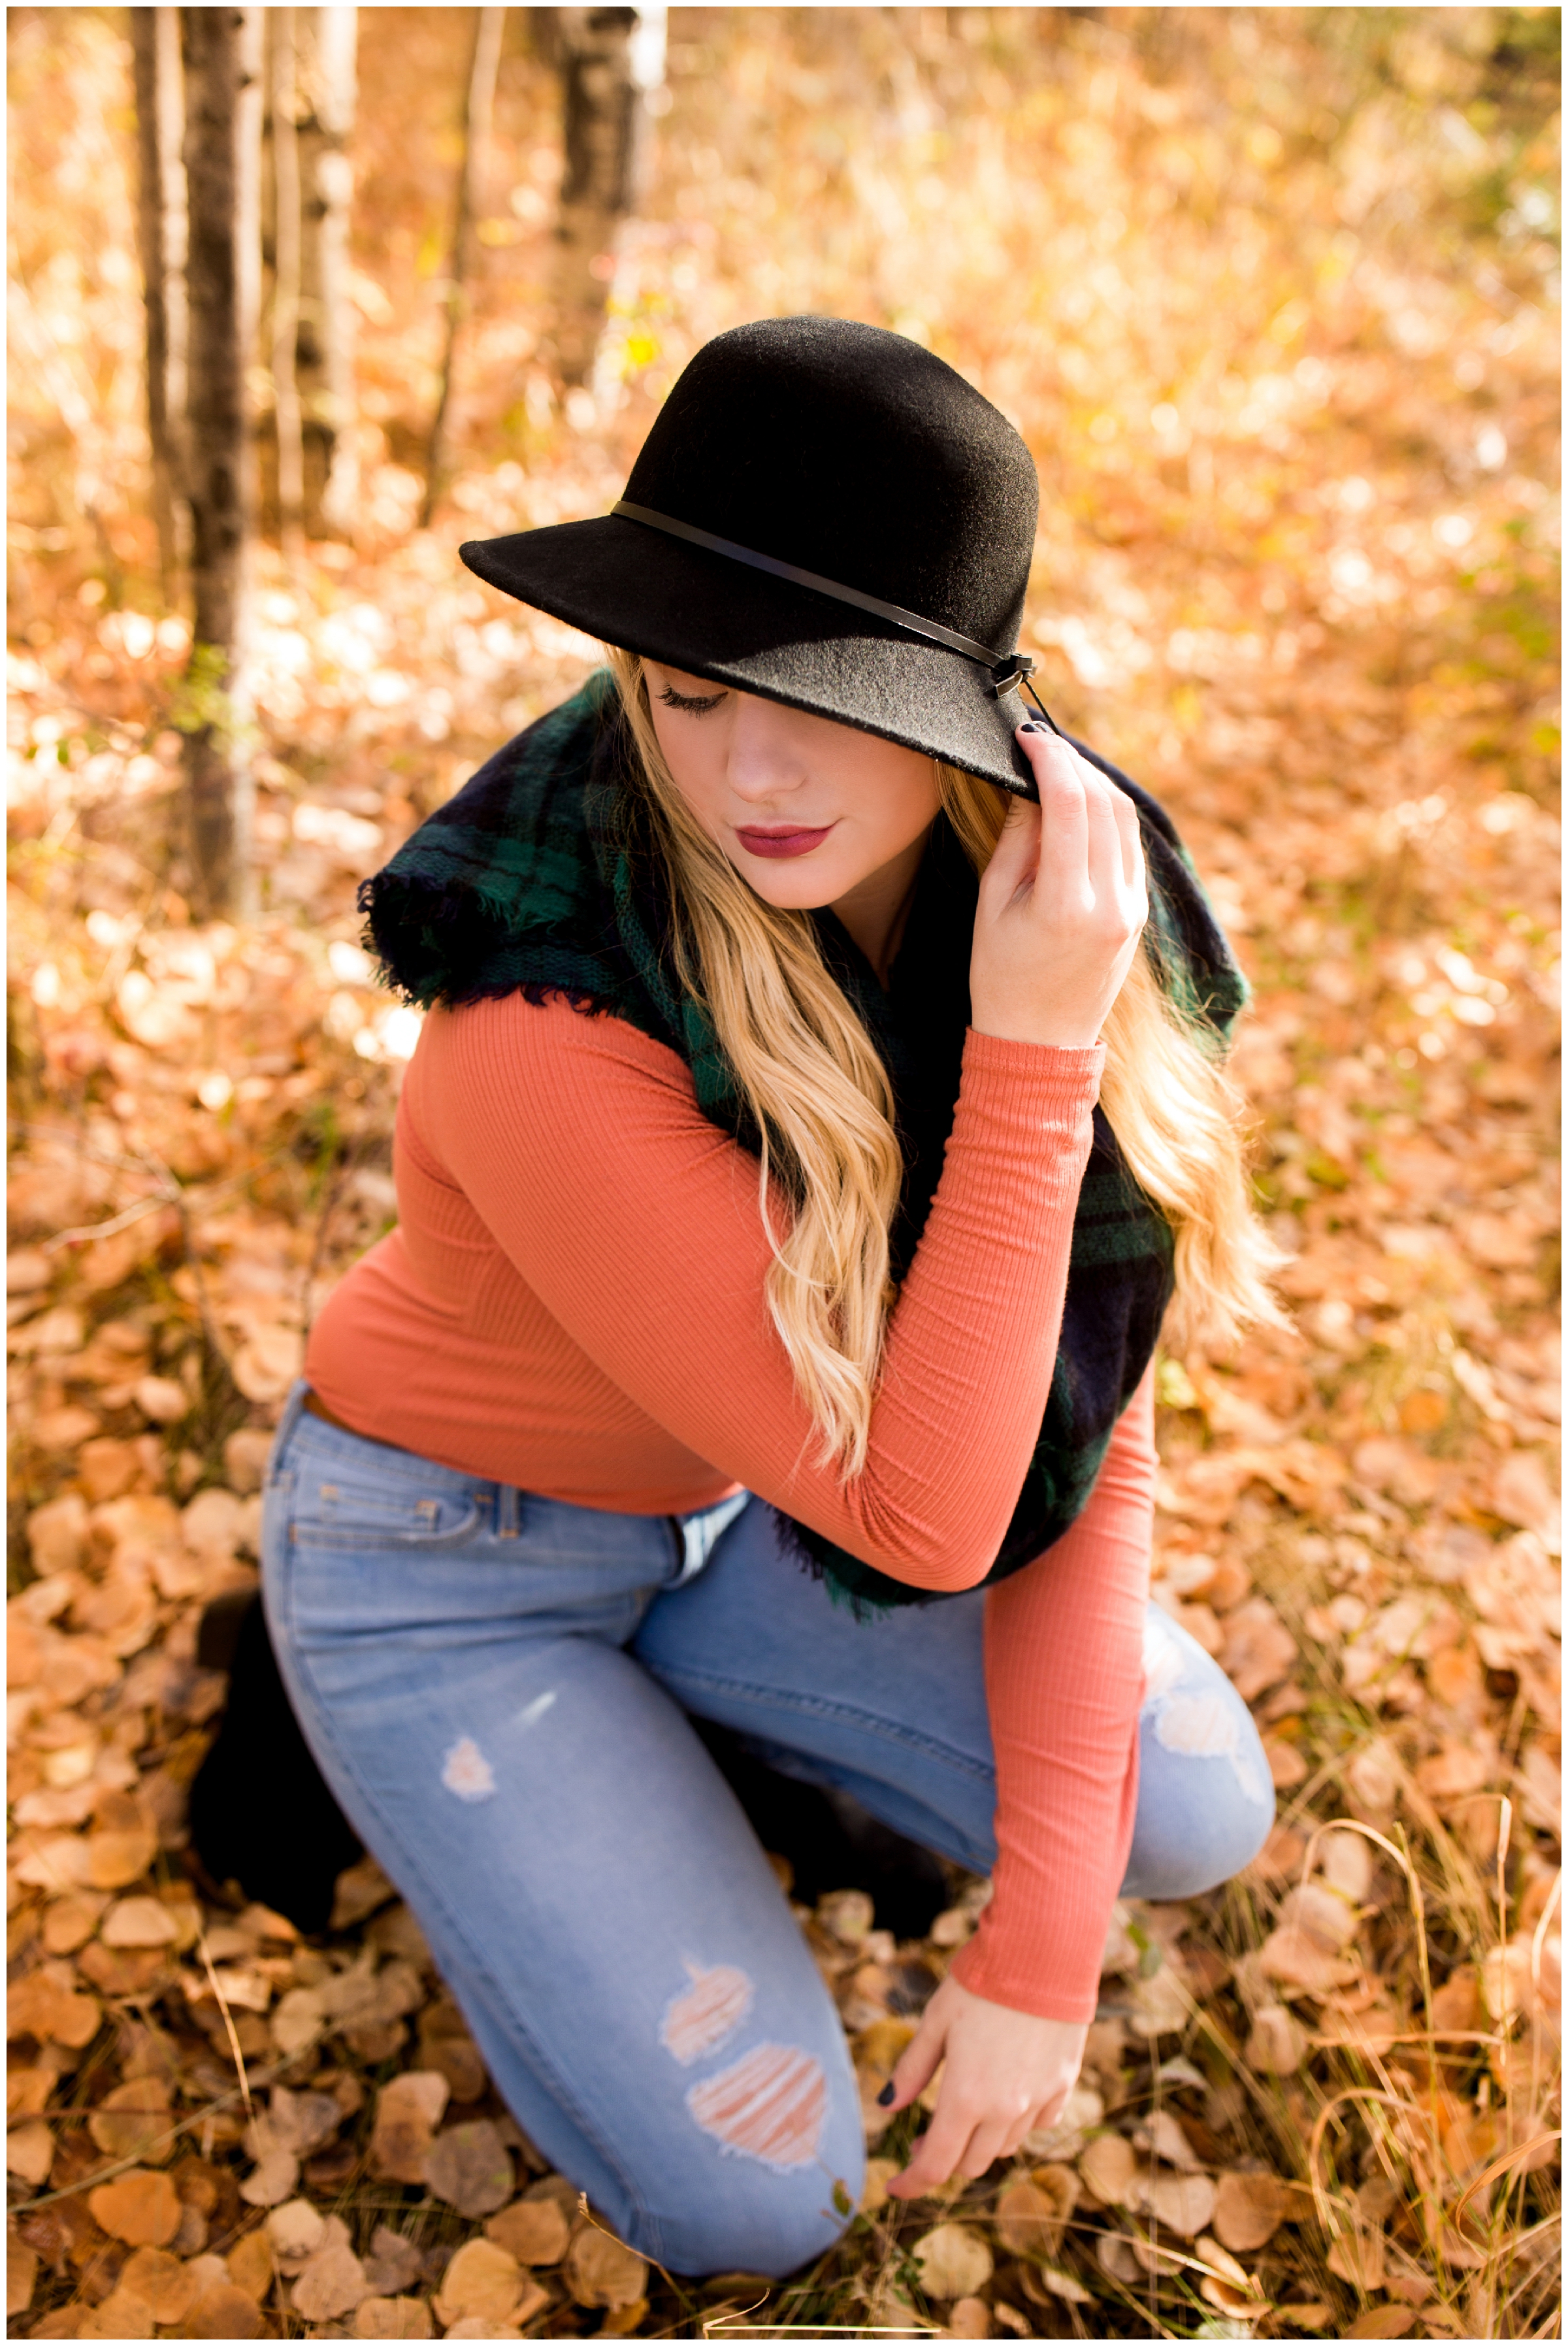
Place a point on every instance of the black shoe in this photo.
(261, 1812)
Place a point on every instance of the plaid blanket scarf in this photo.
(537, 877)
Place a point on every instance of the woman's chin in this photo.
(793, 887)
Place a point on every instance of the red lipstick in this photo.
(777, 844)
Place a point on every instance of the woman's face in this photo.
(806, 810)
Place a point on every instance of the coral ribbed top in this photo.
(573, 1301)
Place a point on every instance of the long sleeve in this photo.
(1064, 1675)
(578, 1144)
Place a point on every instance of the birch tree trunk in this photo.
(487, 30)
(327, 41)
(610, 60)
(286, 282)
(222, 55)
(162, 225)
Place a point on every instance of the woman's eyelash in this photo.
(697, 706)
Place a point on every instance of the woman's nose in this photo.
(764, 755)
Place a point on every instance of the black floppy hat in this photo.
(824, 514)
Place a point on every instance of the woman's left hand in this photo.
(1006, 2073)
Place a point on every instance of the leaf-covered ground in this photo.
(1271, 295)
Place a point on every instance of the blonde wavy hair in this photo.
(823, 1106)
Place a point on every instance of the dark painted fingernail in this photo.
(1029, 726)
(887, 2095)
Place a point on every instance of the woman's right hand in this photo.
(1063, 903)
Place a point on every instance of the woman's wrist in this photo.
(1024, 1054)
(1043, 1035)
(980, 1969)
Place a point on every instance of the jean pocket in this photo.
(350, 1512)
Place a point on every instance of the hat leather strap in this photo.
(1009, 670)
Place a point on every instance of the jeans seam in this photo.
(505, 2004)
(759, 1697)
(351, 1540)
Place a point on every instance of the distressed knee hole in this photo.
(703, 2015)
(1205, 1727)
(1202, 1726)
(769, 2105)
(467, 1772)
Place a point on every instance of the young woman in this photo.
(820, 1099)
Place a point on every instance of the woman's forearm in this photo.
(1063, 1673)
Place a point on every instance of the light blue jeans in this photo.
(495, 1685)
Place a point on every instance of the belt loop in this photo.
(507, 1510)
(293, 1410)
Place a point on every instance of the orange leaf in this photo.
(141, 2206)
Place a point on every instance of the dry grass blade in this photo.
(1510, 2160)
(214, 1982)
(721, 2326)
(599, 2225)
(1538, 1942)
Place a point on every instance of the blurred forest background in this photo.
(1271, 293)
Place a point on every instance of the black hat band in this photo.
(1008, 669)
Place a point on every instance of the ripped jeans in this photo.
(495, 1685)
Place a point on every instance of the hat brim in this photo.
(709, 616)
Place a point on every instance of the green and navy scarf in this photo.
(539, 877)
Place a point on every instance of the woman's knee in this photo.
(1191, 1845)
(1206, 1796)
(752, 2217)
(772, 2237)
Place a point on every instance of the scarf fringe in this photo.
(825, 1562)
(414, 928)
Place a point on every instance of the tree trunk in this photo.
(222, 160)
(286, 282)
(487, 31)
(610, 59)
(161, 224)
(327, 43)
